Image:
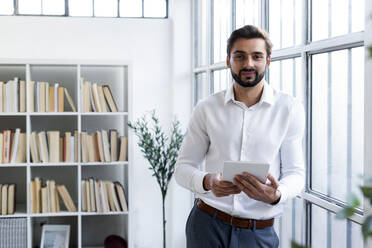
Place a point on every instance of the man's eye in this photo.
(239, 57)
(258, 57)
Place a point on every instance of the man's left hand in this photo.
(253, 188)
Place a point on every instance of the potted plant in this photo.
(160, 151)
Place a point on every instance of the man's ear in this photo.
(268, 61)
(228, 61)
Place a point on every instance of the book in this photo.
(67, 147)
(87, 195)
(22, 96)
(69, 99)
(114, 145)
(121, 195)
(43, 147)
(4, 97)
(47, 101)
(104, 199)
(33, 197)
(92, 195)
(56, 86)
(100, 147)
(115, 197)
(95, 101)
(48, 201)
(1, 96)
(106, 146)
(76, 141)
(102, 100)
(7, 145)
(61, 102)
(96, 149)
(31, 96)
(84, 147)
(58, 207)
(11, 198)
(52, 196)
(44, 200)
(123, 148)
(21, 151)
(66, 198)
(41, 96)
(97, 189)
(92, 153)
(52, 98)
(4, 199)
(109, 98)
(15, 142)
(1, 148)
(109, 195)
(61, 149)
(83, 197)
(34, 147)
(72, 149)
(53, 138)
(38, 195)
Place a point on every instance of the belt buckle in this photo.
(231, 220)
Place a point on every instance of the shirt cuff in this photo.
(284, 193)
(198, 182)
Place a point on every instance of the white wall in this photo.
(157, 71)
(368, 105)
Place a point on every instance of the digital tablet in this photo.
(232, 168)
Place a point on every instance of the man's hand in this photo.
(219, 188)
(253, 188)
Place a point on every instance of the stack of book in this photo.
(45, 97)
(102, 146)
(57, 149)
(97, 98)
(45, 198)
(102, 196)
(12, 146)
(7, 199)
(13, 96)
(13, 232)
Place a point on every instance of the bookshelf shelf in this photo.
(84, 230)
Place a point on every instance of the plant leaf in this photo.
(296, 245)
(367, 192)
(367, 227)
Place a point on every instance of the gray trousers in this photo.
(205, 231)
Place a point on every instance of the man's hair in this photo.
(249, 32)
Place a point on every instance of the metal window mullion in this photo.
(118, 8)
(67, 8)
(233, 15)
(193, 50)
(16, 8)
(143, 8)
(281, 24)
(94, 14)
(349, 140)
(265, 14)
(210, 32)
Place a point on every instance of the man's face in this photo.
(248, 61)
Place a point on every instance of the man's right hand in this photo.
(213, 182)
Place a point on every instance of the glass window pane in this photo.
(337, 122)
(29, 7)
(221, 80)
(106, 8)
(6, 7)
(53, 7)
(131, 8)
(200, 24)
(221, 29)
(80, 7)
(286, 75)
(155, 8)
(201, 86)
(331, 18)
(247, 12)
(285, 22)
(291, 225)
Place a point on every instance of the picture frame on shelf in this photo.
(55, 236)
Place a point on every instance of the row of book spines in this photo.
(48, 98)
(7, 199)
(45, 198)
(103, 196)
(97, 98)
(13, 96)
(12, 146)
(98, 147)
(95, 147)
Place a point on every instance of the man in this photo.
(253, 122)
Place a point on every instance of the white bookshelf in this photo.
(87, 229)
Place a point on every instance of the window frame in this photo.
(66, 14)
(305, 51)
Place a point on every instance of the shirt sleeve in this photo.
(192, 153)
(292, 176)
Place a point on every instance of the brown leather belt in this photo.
(234, 221)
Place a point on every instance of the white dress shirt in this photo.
(222, 129)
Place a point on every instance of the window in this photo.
(86, 8)
(318, 57)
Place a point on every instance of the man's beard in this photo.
(258, 77)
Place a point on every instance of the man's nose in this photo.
(249, 62)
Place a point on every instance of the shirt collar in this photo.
(267, 94)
